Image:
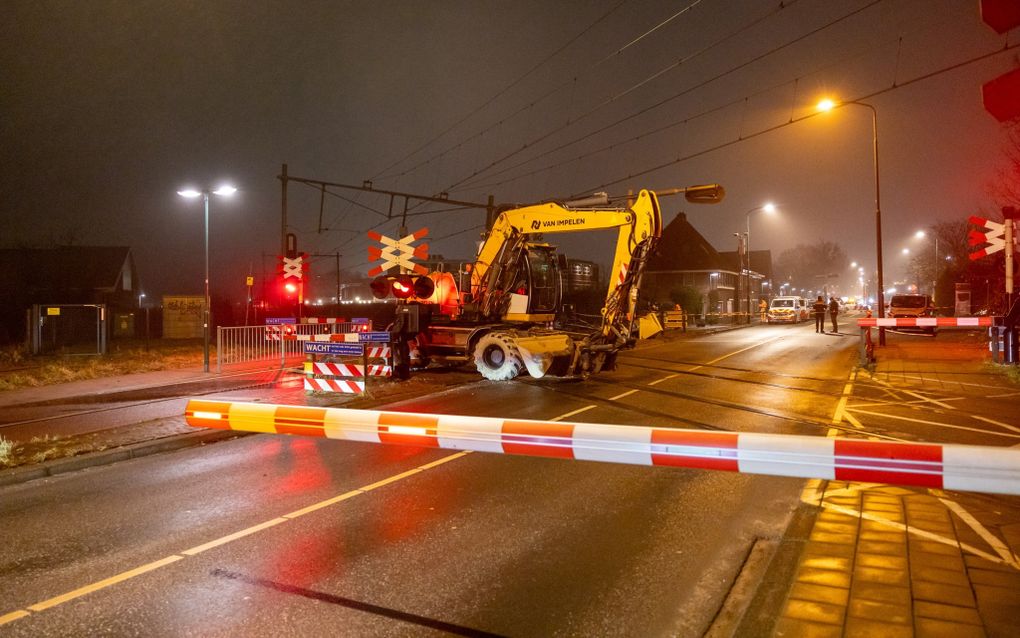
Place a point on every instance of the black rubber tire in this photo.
(497, 358)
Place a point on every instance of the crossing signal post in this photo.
(291, 274)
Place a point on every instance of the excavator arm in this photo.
(637, 225)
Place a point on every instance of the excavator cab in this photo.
(544, 289)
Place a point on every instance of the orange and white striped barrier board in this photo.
(347, 369)
(346, 386)
(926, 322)
(939, 466)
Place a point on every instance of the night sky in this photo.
(107, 108)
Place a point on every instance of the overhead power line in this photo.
(741, 138)
(670, 98)
(381, 174)
(531, 104)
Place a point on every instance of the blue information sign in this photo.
(337, 349)
(373, 336)
(276, 321)
(361, 320)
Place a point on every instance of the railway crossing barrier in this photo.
(274, 342)
(866, 347)
(940, 466)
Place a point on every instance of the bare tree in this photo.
(812, 266)
(1006, 188)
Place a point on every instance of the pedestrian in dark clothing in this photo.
(833, 311)
(818, 309)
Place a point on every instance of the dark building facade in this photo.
(686, 267)
(64, 275)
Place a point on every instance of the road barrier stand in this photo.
(974, 468)
(329, 366)
(673, 319)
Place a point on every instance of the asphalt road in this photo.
(270, 535)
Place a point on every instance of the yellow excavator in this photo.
(512, 318)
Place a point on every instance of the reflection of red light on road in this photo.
(304, 559)
(301, 467)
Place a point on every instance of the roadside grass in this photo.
(1010, 372)
(18, 369)
(45, 448)
(6, 450)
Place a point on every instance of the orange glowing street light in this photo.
(829, 104)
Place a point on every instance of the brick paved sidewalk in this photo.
(890, 561)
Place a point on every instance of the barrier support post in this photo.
(219, 349)
(364, 364)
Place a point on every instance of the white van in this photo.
(788, 310)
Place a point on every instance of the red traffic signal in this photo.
(1001, 15)
(402, 286)
(1002, 96)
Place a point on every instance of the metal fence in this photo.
(266, 344)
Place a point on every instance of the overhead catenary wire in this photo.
(779, 7)
(381, 174)
(863, 51)
(744, 137)
(658, 74)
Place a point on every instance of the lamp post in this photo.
(191, 193)
(828, 105)
(769, 208)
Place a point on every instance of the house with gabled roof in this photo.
(64, 275)
(685, 260)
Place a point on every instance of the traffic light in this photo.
(403, 286)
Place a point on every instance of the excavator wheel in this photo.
(497, 358)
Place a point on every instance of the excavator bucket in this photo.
(540, 352)
(649, 325)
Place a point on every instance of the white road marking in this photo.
(623, 394)
(920, 397)
(935, 423)
(570, 414)
(860, 487)
(882, 404)
(915, 531)
(848, 387)
(666, 378)
(1000, 548)
(994, 422)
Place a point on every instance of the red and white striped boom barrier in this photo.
(867, 348)
(926, 322)
(941, 466)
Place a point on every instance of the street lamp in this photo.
(191, 193)
(828, 105)
(769, 208)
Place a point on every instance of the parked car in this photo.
(788, 310)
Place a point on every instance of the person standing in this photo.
(818, 309)
(833, 311)
(763, 309)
